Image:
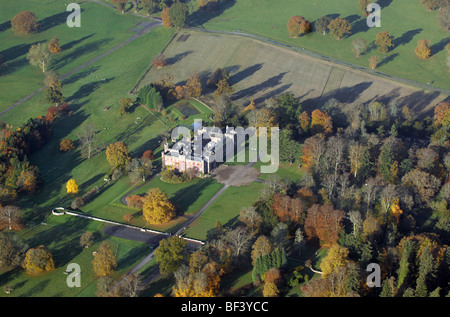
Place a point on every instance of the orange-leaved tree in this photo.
(24, 22)
(321, 122)
(324, 222)
(423, 50)
(297, 26)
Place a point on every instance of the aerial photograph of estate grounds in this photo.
(224, 148)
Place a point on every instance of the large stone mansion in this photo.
(202, 154)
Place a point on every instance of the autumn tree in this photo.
(362, 6)
(313, 150)
(298, 26)
(322, 24)
(120, 4)
(24, 22)
(72, 187)
(157, 208)
(170, 254)
(38, 55)
(117, 154)
(87, 239)
(305, 122)
(321, 122)
(423, 184)
(223, 88)
(444, 18)
(53, 45)
(423, 50)
(287, 208)
(194, 86)
(324, 222)
(337, 256)
(261, 246)
(38, 260)
(270, 290)
(373, 62)
(339, 27)
(251, 218)
(159, 61)
(104, 262)
(359, 46)
(442, 114)
(384, 41)
(12, 250)
(10, 218)
(165, 16)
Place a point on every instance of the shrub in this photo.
(77, 203)
(134, 201)
(66, 145)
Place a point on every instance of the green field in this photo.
(407, 21)
(225, 209)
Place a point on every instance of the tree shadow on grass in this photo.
(85, 90)
(186, 197)
(387, 59)
(250, 91)
(247, 72)
(5, 26)
(201, 16)
(133, 256)
(77, 53)
(406, 37)
(80, 75)
(436, 48)
(52, 21)
(15, 51)
(175, 59)
(39, 288)
(71, 44)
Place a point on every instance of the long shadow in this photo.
(174, 59)
(15, 51)
(87, 89)
(384, 3)
(134, 255)
(343, 95)
(359, 26)
(406, 37)
(184, 198)
(249, 71)
(85, 49)
(5, 26)
(419, 100)
(52, 21)
(436, 48)
(270, 82)
(12, 66)
(273, 93)
(201, 16)
(80, 75)
(388, 59)
(71, 44)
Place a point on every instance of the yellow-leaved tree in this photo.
(104, 262)
(38, 260)
(72, 187)
(156, 207)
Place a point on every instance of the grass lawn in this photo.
(408, 22)
(225, 209)
(101, 29)
(61, 235)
